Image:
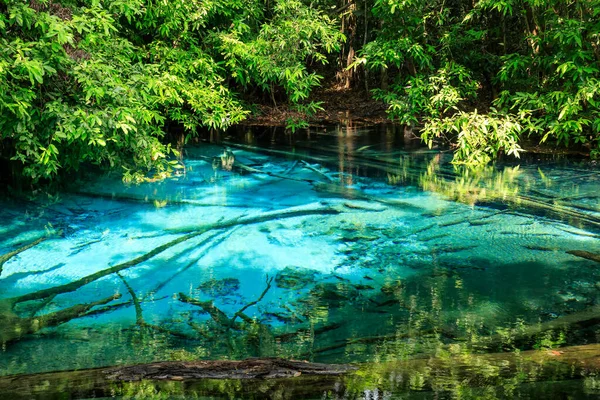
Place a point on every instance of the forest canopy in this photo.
(102, 82)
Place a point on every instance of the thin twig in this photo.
(291, 168)
(240, 313)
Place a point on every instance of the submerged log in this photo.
(272, 174)
(208, 306)
(219, 316)
(277, 378)
(263, 368)
(585, 254)
(5, 257)
(262, 379)
(189, 233)
(318, 171)
(485, 196)
(13, 327)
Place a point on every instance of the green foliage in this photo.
(480, 138)
(550, 340)
(74, 89)
(432, 96)
(540, 57)
(561, 64)
(302, 113)
(101, 82)
(276, 55)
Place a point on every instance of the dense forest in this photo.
(104, 82)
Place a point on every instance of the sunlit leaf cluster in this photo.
(521, 67)
(102, 82)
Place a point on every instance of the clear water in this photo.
(421, 258)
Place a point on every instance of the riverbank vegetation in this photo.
(104, 82)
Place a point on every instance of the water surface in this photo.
(335, 245)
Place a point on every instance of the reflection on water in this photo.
(335, 245)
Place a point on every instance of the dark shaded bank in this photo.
(353, 107)
(529, 374)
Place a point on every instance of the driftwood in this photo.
(265, 378)
(379, 163)
(133, 198)
(354, 194)
(264, 217)
(241, 314)
(139, 316)
(318, 171)
(224, 323)
(117, 306)
(272, 174)
(239, 166)
(211, 243)
(287, 336)
(208, 306)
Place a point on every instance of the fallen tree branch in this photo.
(72, 286)
(5, 257)
(585, 254)
(243, 167)
(264, 368)
(190, 264)
(240, 313)
(117, 306)
(216, 314)
(316, 170)
(139, 318)
(219, 316)
(354, 194)
(189, 233)
(414, 174)
(292, 212)
(132, 198)
(291, 168)
(273, 174)
(12, 327)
